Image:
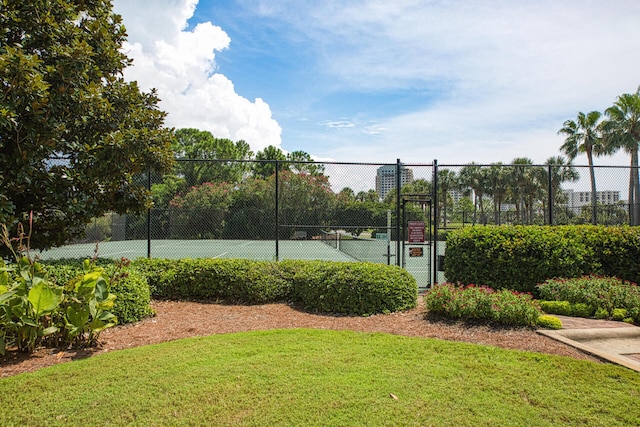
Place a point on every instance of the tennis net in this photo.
(358, 248)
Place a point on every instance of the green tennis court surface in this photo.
(263, 250)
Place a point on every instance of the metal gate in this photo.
(417, 252)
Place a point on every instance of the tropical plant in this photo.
(622, 130)
(498, 186)
(34, 309)
(584, 135)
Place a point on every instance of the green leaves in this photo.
(65, 97)
(44, 298)
(35, 311)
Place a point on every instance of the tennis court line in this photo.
(220, 255)
(115, 253)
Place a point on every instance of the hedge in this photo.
(520, 257)
(321, 286)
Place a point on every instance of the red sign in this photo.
(416, 231)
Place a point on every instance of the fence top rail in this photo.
(459, 165)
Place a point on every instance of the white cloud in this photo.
(506, 74)
(180, 64)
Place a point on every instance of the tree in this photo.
(201, 156)
(265, 165)
(561, 171)
(622, 130)
(498, 180)
(62, 97)
(301, 162)
(368, 196)
(526, 187)
(474, 177)
(447, 180)
(346, 195)
(584, 135)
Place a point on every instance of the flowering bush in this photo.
(600, 294)
(472, 302)
(201, 212)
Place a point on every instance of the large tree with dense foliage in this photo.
(62, 96)
(622, 130)
(201, 154)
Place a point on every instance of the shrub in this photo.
(619, 314)
(549, 322)
(159, 273)
(482, 303)
(228, 280)
(132, 297)
(322, 286)
(556, 307)
(512, 257)
(353, 288)
(582, 310)
(593, 294)
(519, 257)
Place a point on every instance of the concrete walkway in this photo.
(616, 342)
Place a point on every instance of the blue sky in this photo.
(376, 80)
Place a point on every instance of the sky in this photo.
(376, 80)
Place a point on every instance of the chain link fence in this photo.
(350, 211)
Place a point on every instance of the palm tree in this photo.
(558, 170)
(474, 177)
(622, 130)
(498, 186)
(447, 180)
(525, 187)
(585, 136)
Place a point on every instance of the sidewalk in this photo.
(615, 342)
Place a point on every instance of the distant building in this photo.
(576, 199)
(458, 195)
(386, 178)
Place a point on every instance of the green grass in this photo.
(316, 377)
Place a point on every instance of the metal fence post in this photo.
(149, 215)
(398, 213)
(277, 216)
(434, 197)
(550, 199)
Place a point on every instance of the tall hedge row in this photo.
(519, 257)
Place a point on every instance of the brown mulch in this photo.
(178, 319)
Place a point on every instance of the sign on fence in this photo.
(416, 231)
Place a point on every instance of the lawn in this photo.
(318, 377)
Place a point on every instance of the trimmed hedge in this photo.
(321, 286)
(520, 257)
(352, 288)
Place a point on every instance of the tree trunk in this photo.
(592, 173)
(634, 190)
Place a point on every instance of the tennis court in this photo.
(263, 250)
